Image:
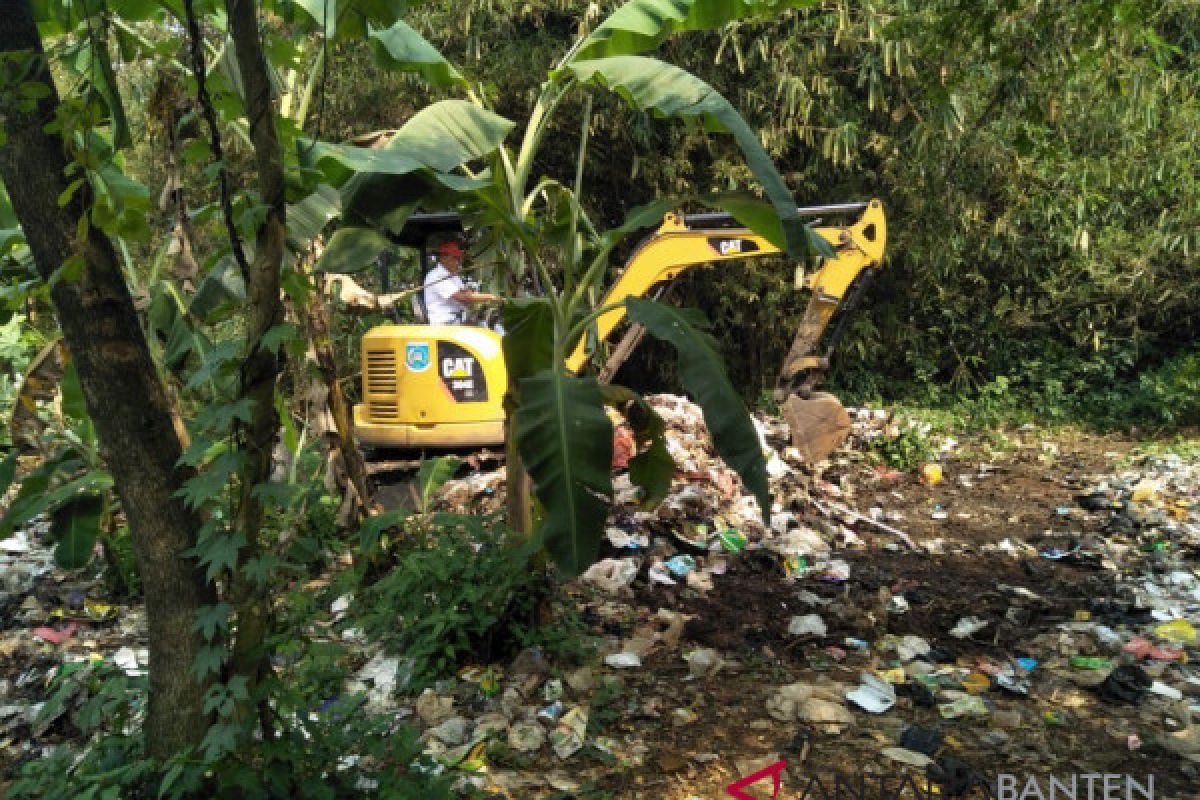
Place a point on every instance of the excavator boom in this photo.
(817, 420)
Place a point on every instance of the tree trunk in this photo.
(316, 321)
(125, 398)
(260, 369)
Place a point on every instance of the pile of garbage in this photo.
(1122, 658)
(52, 623)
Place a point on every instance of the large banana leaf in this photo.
(308, 217)
(403, 49)
(440, 137)
(668, 91)
(437, 140)
(529, 337)
(75, 526)
(641, 25)
(565, 440)
(351, 19)
(702, 372)
(351, 250)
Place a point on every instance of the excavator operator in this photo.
(446, 295)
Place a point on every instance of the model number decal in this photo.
(461, 374)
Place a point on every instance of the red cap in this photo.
(449, 249)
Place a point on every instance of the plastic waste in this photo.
(1178, 630)
(921, 740)
(1090, 662)
(681, 565)
(1163, 690)
(1142, 648)
(872, 694)
(702, 663)
(550, 714)
(623, 660)
(976, 683)
(733, 540)
(962, 706)
(611, 574)
(54, 636)
(567, 736)
(967, 626)
(1125, 684)
(931, 474)
(905, 756)
(807, 625)
(526, 737)
(836, 571)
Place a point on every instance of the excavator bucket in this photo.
(819, 424)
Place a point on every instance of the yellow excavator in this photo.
(442, 386)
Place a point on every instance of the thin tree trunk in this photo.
(124, 396)
(317, 327)
(518, 486)
(260, 369)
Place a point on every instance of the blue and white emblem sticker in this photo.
(417, 356)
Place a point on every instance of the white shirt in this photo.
(440, 305)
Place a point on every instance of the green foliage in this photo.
(462, 590)
(911, 447)
(1173, 390)
(432, 475)
(326, 746)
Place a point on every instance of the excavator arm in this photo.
(687, 241)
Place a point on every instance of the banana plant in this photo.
(71, 485)
(454, 153)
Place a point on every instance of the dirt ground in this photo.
(1017, 495)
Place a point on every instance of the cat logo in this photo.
(458, 367)
(731, 247)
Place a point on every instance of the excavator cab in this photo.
(442, 386)
(430, 386)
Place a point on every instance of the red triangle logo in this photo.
(734, 790)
